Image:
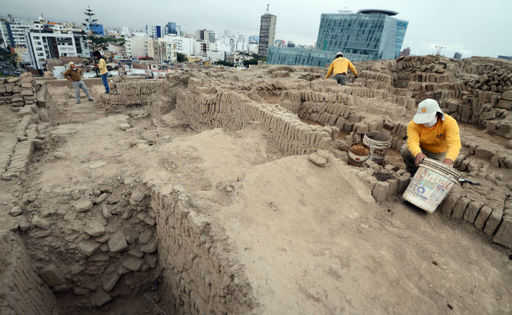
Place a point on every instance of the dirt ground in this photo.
(312, 240)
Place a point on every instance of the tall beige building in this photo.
(267, 33)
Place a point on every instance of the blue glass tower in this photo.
(365, 35)
(171, 28)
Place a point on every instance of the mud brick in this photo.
(460, 208)
(493, 222)
(482, 217)
(472, 211)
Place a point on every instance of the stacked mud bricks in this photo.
(233, 111)
(17, 92)
(475, 91)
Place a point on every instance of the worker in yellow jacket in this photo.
(433, 134)
(339, 67)
(102, 67)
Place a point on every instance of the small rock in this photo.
(508, 145)
(150, 247)
(124, 126)
(52, 275)
(83, 205)
(109, 281)
(151, 260)
(23, 224)
(318, 160)
(136, 253)
(103, 238)
(132, 263)
(145, 236)
(101, 198)
(48, 212)
(88, 247)
(138, 195)
(59, 155)
(381, 191)
(40, 223)
(97, 164)
(95, 228)
(117, 242)
(16, 211)
(106, 212)
(100, 298)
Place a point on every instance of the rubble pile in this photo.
(477, 91)
(95, 244)
(17, 91)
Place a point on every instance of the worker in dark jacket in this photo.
(339, 67)
(74, 74)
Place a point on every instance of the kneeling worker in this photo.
(433, 134)
(340, 67)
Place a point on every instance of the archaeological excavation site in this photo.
(222, 191)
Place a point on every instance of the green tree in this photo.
(181, 57)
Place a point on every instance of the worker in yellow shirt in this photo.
(102, 67)
(433, 134)
(339, 67)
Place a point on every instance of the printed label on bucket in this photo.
(427, 189)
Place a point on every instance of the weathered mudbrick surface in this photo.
(21, 290)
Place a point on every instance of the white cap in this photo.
(339, 53)
(427, 110)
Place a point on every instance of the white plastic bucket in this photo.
(430, 185)
(356, 159)
(379, 143)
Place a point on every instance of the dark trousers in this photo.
(341, 78)
(105, 82)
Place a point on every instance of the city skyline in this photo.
(448, 24)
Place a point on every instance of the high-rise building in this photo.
(267, 33)
(365, 35)
(211, 36)
(5, 34)
(170, 28)
(18, 30)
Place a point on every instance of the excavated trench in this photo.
(114, 233)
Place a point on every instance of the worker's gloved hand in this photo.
(448, 162)
(419, 158)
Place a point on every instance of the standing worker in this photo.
(340, 67)
(102, 67)
(433, 134)
(74, 74)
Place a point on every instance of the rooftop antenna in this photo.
(439, 48)
(268, 8)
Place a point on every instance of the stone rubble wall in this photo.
(93, 245)
(16, 153)
(21, 289)
(201, 275)
(17, 91)
(232, 111)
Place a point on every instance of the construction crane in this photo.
(438, 49)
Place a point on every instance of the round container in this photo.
(358, 154)
(379, 142)
(430, 185)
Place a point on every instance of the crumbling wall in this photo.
(477, 91)
(94, 244)
(21, 290)
(17, 91)
(232, 111)
(201, 276)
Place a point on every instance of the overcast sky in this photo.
(472, 27)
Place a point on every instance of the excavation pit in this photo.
(198, 199)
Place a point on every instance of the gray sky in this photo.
(472, 27)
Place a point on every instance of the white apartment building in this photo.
(18, 31)
(137, 45)
(44, 45)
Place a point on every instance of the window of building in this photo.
(39, 48)
(40, 54)
(37, 37)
